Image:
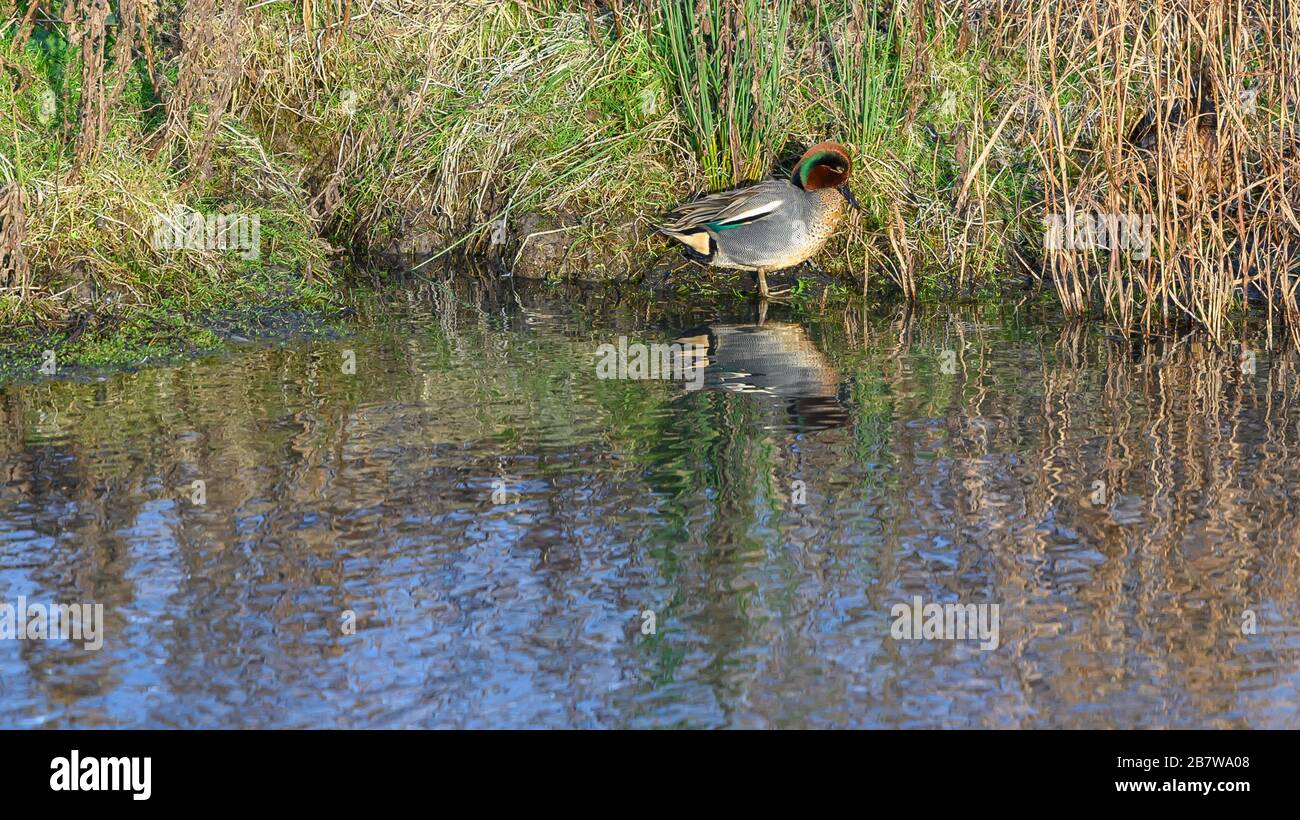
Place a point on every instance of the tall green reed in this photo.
(867, 83)
(865, 88)
(723, 59)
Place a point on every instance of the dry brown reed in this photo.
(208, 73)
(92, 112)
(1180, 110)
(14, 271)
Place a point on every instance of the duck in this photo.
(770, 225)
(1185, 134)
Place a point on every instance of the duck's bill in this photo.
(848, 194)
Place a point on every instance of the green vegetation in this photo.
(547, 134)
(88, 280)
(724, 62)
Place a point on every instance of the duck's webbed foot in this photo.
(764, 292)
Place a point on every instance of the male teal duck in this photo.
(772, 225)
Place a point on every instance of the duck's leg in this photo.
(764, 293)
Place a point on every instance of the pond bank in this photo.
(544, 137)
(96, 344)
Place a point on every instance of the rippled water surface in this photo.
(499, 519)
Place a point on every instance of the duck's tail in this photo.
(698, 241)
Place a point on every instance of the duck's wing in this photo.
(729, 209)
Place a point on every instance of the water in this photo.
(954, 455)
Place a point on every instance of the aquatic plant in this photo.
(724, 60)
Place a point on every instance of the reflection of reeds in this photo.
(1125, 501)
(1155, 470)
(972, 482)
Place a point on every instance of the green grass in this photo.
(101, 293)
(528, 116)
(724, 59)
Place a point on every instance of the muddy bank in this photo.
(95, 344)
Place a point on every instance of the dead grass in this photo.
(1181, 110)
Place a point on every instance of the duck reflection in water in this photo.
(777, 362)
